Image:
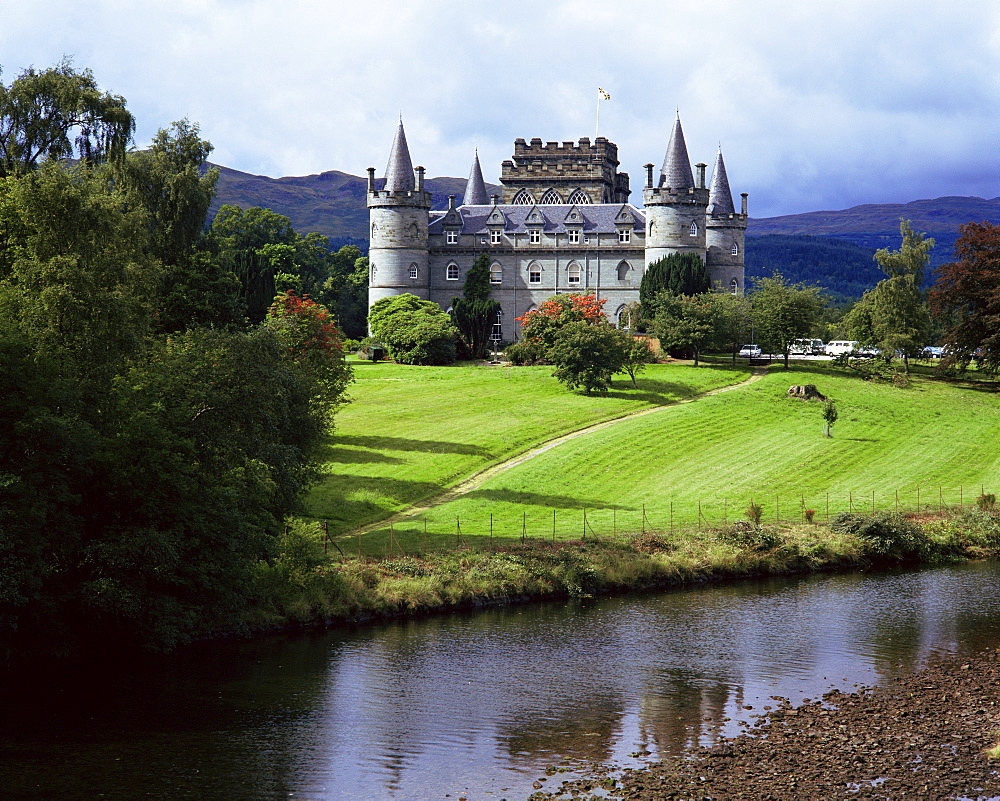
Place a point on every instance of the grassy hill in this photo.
(686, 464)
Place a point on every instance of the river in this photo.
(476, 704)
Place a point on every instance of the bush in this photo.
(527, 352)
(986, 502)
(754, 513)
(749, 535)
(888, 536)
(415, 331)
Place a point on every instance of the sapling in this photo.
(830, 416)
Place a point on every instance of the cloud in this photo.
(815, 105)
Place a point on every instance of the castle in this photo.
(562, 224)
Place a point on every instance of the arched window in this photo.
(413, 270)
(551, 198)
(652, 225)
(496, 273)
(573, 274)
(497, 334)
(579, 197)
(734, 287)
(622, 316)
(623, 270)
(693, 230)
(736, 249)
(523, 198)
(374, 230)
(452, 272)
(374, 271)
(534, 273)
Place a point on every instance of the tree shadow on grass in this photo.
(348, 501)
(378, 443)
(332, 454)
(538, 499)
(652, 391)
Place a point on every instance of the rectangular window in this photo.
(624, 236)
(573, 237)
(495, 237)
(451, 237)
(534, 277)
(534, 236)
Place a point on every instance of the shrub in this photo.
(527, 352)
(415, 331)
(888, 536)
(749, 535)
(986, 502)
(809, 515)
(754, 513)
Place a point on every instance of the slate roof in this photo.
(475, 189)
(676, 172)
(597, 218)
(720, 197)
(399, 170)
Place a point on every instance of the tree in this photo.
(637, 356)
(731, 321)
(475, 312)
(587, 355)
(678, 273)
(683, 322)
(893, 316)
(783, 312)
(966, 297)
(829, 416)
(414, 331)
(542, 324)
(345, 290)
(60, 113)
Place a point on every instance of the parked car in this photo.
(750, 351)
(840, 346)
(933, 353)
(807, 347)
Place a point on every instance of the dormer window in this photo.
(693, 230)
(451, 237)
(495, 237)
(534, 236)
(624, 236)
(573, 236)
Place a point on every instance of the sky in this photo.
(817, 105)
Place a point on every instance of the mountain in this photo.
(831, 248)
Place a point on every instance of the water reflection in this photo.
(476, 703)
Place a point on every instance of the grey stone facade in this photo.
(556, 232)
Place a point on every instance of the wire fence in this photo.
(414, 535)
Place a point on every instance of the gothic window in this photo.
(451, 237)
(579, 197)
(622, 315)
(452, 272)
(551, 198)
(736, 249)
(734, 287)
(374, 230)
(523, 198)
(496, 274)
(495, 237)
(374, 271)
(573, 236)
(413, 271)
(534, 273)
(534, 236)
(497, 333)
(652, 225)
(573, 274)
(624, 236)
(623, 270)
(693, 230)
(411, 231)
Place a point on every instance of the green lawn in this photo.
(755, 443)
(411, 432)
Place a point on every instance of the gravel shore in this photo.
(922, 736)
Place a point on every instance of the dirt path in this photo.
(476, 481)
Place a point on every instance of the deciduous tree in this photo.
(966, 297)
(683, 322)
(783, 312)
(415, 331)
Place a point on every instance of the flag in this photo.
(602, 94)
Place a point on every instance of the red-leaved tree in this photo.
(543, 323)
(966, 297)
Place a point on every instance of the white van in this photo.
(841, 346)
(806, 347)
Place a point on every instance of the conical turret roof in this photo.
(720, 198)
(475, 189)
(676, 172)
(399, 170)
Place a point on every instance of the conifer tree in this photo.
(475, 312)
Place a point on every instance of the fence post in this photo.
(425, 535)
(897, 501)
(491, 528)
(918, 497)
(802, 511)
(326, 534)
(553, 525)
(642, 523)
(614, 520)
(828, 507)
(961, 499)
(850, 500)
(359, 542)
(940, 500)
(725, 511)
(777, 511)
(524, 525)
(585, 523)
(873, 501)
(390, 539)
(671, 516)
(458, 533)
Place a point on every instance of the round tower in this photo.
(675, 208)
(398, 216)
(725, 234)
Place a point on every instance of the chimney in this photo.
(371, 180)
(744, 196)
(451, 202)
(420, 178)
(701, 174)
(649, 176)
(494, 199)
